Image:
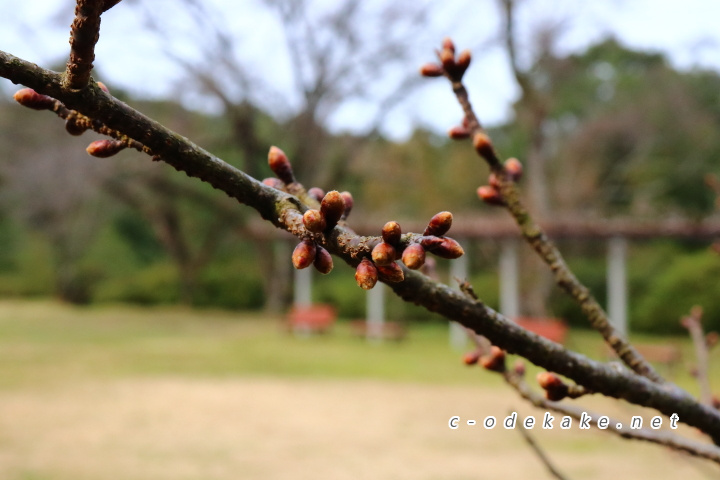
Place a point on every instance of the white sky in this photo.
(129, 57)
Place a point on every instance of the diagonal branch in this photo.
(84, 34)
(285, 212)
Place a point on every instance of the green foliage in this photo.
(686, 281)
(153, 285)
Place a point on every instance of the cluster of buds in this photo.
(307, 253)
(27, 97)
(382, 263)
(450, 65)
(490, 193)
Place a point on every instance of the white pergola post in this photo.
(509, 283)
(458, 271)
(617, 284)
(375, 312)
(302, 287)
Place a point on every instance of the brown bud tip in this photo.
(483, 145)
(448, 248)
(314, 221)
(105, 148)
(459, 132)
(349, 202)
(549, 380)
(447, 58)
(103, 87)
(280, 165)
(391, 273)
(323, 260)
(519, 368)
(383, 254)
(514, 168)
(463, 61)
(471, 358)
(439, 224)
(366, 274)
(490, 195)
(74, 128)
(316, 193)
(431, 70)
(494, 361)
(304, 254)
(27, 97)
(414, 256)
(332, 207)
(448, 44)
(391, 232)
(494, 181)
(274, 183)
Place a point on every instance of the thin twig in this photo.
(285, 212)
(541, 454)
(693, 323)
(547, 250)
(660, 437)
(84, 34)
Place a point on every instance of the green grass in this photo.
(43, 342)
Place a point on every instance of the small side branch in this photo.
(84, 34)
(541, 454)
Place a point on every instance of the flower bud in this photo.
(439, 224)
(316, 193)
(391, 233)
(323, 260)
(27, 97)
(414, 256)
(495, 360)
(304, 254)
(514, 168)
(555, 388)
(463, 61)
(383, 254)
(103, 87)
(280, 165)
(711, 339)
(314, 221)
(431, 70)
(471, 358)
(391, 273)
(459, 132)
(332, 207)
(519, 368)
(349, 202)
(74, 128)
(274, 182)
(447, 58)
(448, 248)
(430, 242)
(483, 145)
(366, 274)
(494, 181)
(105, 148)
(448, 44)
(490, 195)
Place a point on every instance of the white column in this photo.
(458, 271)
(617, 284)
(509, 284)
(375, 312)
(302, 287)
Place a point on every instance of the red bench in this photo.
(311, 319)
(550, 328)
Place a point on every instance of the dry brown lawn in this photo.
(265, 428)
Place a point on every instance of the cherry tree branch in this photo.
(84, 34)
(285, 211)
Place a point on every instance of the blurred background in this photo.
(613, 106)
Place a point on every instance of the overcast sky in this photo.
(688, 32)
